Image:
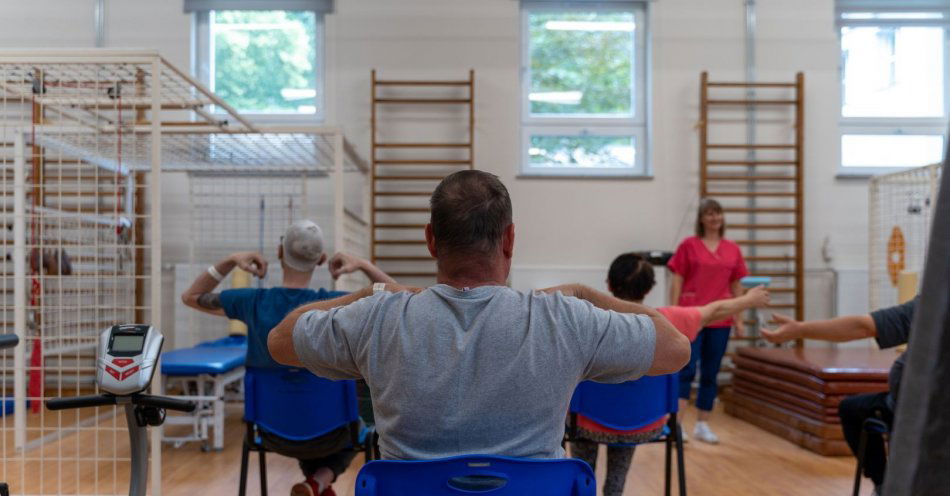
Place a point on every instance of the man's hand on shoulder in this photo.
(251, 262)
(399, 288)
(344, 263)
(575, 290)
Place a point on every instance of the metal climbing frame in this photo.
(759, 178)
(84, 138)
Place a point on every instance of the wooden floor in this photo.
(748, 461)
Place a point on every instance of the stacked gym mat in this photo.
(794, 393)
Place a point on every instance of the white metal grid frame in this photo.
(903, 201)
(249, 208)
(100, 122)
(56, 205)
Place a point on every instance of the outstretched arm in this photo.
(200, 296)
(738, 322)
(756, 297)
(840, 329)
(343, 263)
(672, 347)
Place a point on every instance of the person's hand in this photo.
(251, 262)
(786, 331)
(398, 288)
(738, 328)
(343, 263)
(758, 296)
(565, 289)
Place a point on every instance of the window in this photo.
(265, 63)
(893, 90)
(584, 89)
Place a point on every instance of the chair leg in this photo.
(680, 460)
(668, 476)
(263, 469)
(862, 446)
(677, 431)
(245, 454)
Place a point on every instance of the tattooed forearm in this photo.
(211, 301)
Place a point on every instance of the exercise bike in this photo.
(127, 358)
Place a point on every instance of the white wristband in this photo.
(379, 286)
(213, 272)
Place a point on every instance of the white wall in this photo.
(569, 223)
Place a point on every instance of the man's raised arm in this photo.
(672, 347)
(280, 341)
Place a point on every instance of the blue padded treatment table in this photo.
(204, 373)
(203, 360)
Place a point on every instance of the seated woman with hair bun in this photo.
(630, 278)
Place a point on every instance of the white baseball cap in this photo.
(303, 245)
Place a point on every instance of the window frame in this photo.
(203, 62)
(896, 126)
(637, 125)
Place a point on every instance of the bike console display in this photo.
(127, 358)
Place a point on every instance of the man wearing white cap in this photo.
(300, 252)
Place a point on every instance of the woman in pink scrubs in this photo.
(707, 267)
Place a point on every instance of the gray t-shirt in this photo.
(487, 370)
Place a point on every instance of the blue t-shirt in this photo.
(262, 310)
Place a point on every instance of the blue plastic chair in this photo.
(477, 474)
(633, 405)
(294, 404)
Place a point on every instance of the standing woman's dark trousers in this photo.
(708, 350)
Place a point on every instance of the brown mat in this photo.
(824, 447)
(802, 392)
(783, 398)
(779, 372)
(818, 416)
(827, 388)
(850, 364)
(779, 414)
(835, 387)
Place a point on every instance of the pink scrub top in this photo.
(707, 276)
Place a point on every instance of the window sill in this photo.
(850, 176)
(634, 177)
(867, 173)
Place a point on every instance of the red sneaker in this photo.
(308, 487)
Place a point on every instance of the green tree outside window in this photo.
(265, 61)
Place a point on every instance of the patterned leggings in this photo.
(618, 463)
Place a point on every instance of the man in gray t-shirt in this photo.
(469, 365)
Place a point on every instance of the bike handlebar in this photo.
(108, 399)
(8, 340)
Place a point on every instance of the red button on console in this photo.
(128, 373)
(113, 372)
(122, 362)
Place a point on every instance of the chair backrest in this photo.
(477, 474)
(628, 405)
(295, 404)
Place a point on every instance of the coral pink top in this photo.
(707, 276)
(686, 320)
